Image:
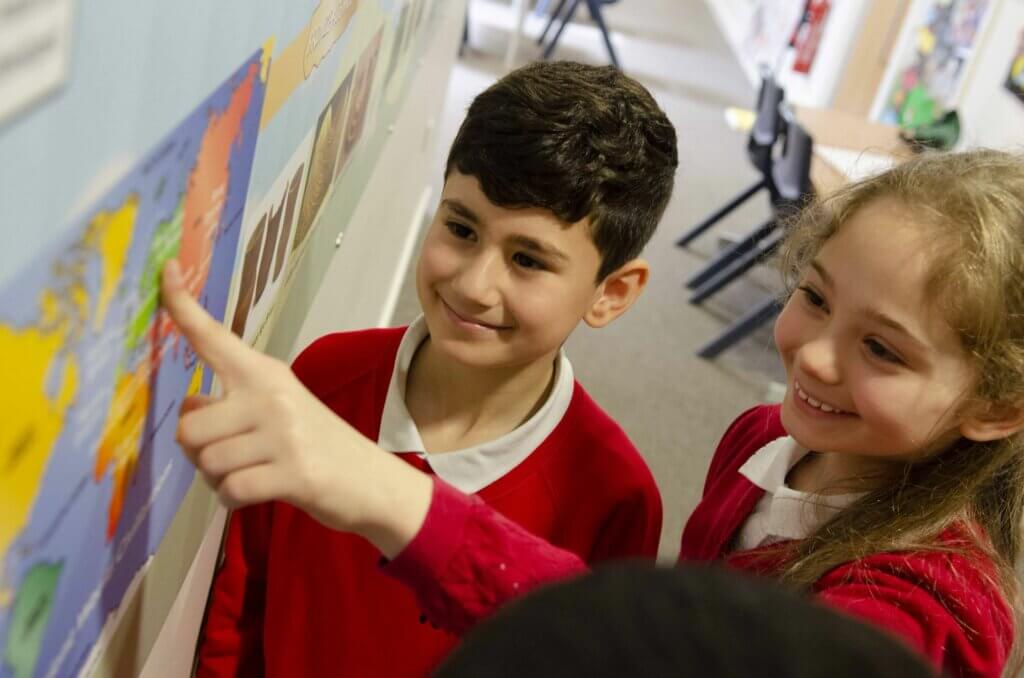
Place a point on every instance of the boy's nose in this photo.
(478, 282)
(819, 359)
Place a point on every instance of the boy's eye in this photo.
(812, 297)
(527, 261)
(459, 230)
(879, 350)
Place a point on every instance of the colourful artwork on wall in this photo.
(1015, 78)
(927, 86)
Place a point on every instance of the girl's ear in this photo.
(617, 292)
(993, 422)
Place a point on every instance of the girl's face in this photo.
(873, 370)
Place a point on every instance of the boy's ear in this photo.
(617, 292)
(993, 422)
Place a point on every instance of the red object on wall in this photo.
(808, 34)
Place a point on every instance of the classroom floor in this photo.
(643, 369)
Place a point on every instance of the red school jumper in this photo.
(294, 598)
(941, 605)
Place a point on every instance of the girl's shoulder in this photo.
(748, 433)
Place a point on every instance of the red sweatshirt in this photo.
(294, 598)
(940, 604)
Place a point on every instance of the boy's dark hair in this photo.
(580, 141)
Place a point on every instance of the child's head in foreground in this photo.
(554, 184)
(903, 342)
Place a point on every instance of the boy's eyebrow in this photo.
(524, 241)
(539, 247)
(461, 210)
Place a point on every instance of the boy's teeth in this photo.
(826, 408)
(816, 403)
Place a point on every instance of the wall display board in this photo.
(214, 133)
(930, 60)
(1015, 77)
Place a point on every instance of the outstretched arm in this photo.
(268, 438)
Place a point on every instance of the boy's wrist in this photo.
(399, 498)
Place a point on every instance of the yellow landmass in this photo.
(122, 437)
(197, 381)
(110, 234)
(32, 420)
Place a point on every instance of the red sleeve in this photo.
(231, 643)
(467, 560)
(940, 604)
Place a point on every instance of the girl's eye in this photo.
(460, 231)
(879, 350)
(812, 297)
(527, 261)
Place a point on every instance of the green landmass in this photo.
(32, 607)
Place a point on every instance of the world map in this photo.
(90, 476)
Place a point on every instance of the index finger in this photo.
(228, 355)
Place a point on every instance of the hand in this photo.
(268, 438)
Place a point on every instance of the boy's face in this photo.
(502, 287)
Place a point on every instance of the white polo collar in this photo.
(784, 513)
(473, 468)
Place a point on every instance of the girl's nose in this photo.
(479, 280)
(819, 359)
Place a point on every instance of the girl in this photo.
(889, 483)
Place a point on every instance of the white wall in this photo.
(735, 17)
(989, 114)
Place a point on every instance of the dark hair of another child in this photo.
(579, 141)
(639, 620)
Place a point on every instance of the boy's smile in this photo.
(500, 287)
(875, 373)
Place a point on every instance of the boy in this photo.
(555, 182)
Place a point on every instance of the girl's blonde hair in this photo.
(973, 207)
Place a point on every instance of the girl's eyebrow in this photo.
(893, 324)
(822, 273)
(874, 314)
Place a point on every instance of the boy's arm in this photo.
(231, 643)
(268, 438)
(468, 559)
(634, 528)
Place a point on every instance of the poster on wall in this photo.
(266, 246)
(927, 86)
(35, 51)
(362, 90)
(807, 35)
(319, 179)
(1015, 78)
(93, 475)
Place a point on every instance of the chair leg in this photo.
(551, 21)
(565, 22)
(465, 35)
(688, 237)
(595, 14)
(738, 267)
(741, 328)
(730, 254)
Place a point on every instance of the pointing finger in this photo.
(228, 355)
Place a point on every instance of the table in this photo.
(841, 130)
